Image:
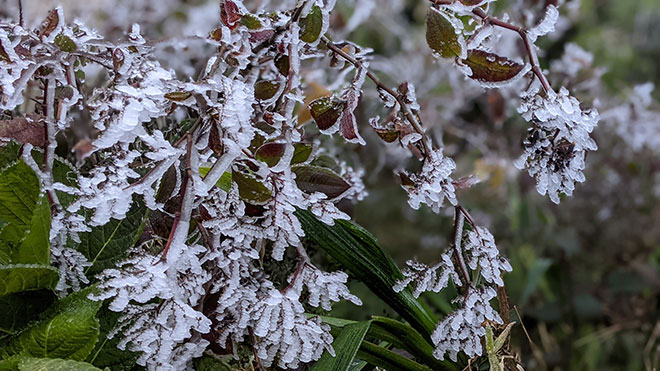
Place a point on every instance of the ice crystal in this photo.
(482, 254)
(463, 329)
(323, 287)
(428, 278)
(434, 184)
(546, 25)
(556, 146)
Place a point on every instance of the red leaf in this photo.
(491, 68)
(229, 14)
(24, 130)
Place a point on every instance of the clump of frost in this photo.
(482, 254)
(463, 329)
(323, 287)
(428, 278)
(434, 184)
(556, 146)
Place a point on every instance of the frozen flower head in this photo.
(433, 184)
(463, 329)
(556, 146)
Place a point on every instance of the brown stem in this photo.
(184, 189)
(457, 237)
(399, 98)
(20, 13)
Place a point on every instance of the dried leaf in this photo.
(24, 130)
(178, 96)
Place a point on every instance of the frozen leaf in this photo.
(251, 189)
(251, 22)
(312, 179)
(272, 152)
(265, 90)
(312, 25)
(442, 36)
(491, 69)
(65, 43)
(178, 96)
(326, 111)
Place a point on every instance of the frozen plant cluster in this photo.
(434, 184)
(227, 157)
(557, 143)
(463, 329)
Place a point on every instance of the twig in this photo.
(457, 235)
(20, 13)
(181, 223)
(399, 98)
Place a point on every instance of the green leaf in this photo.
(494, 346)
(310, 179)
(19, 194)
(312, 25)
(65, 43)
(105, 245)
(250, 189)
(208, 363)
(490, 68)
(264, 90)
(20, 308)
(106, 353)
(403, 336)
(357, 251)
(18, 278)
(387, 359)
(69, 330)
(53, 364)
(346, 346)
(223, 183)
(251, 22)
(9, 154)
(35, 248)
(441, 35)
(326, 111)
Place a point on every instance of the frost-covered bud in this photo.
(428, 278)
(434, 184)
(324, 287)
(483, 254)
(463, 329)
(556, 146)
